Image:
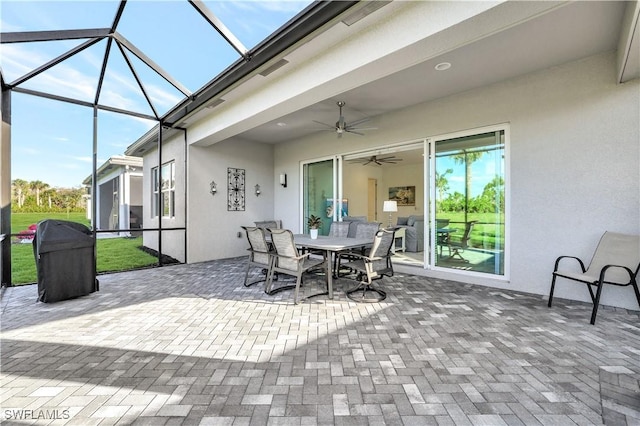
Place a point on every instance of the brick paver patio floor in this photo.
(189, 344)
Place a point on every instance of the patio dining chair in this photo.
(338, 230)
(458, 246)
(288, 261)
(373, 266)
(260, 253)
(615, 261)
(365, 231)
(269, 224)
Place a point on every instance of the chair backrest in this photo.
(273, 224)
(285, 247)
(257, 244)
(616, 249)
(367, 230)
(441, 223)
(381, 248)
(339, 229)
(353, 221)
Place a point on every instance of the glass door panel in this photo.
(318, 193)
(469, 202)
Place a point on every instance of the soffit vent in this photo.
(371, 7)
(274, 67)
(215, 103)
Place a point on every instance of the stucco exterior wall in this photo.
(573, 161)
(215, 232)
(173, 242)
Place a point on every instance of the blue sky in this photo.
(51, 140)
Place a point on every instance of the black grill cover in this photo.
(65, 260)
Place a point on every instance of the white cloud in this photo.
(31, 151)
(65, 79)
(83, 159)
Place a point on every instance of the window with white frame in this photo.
(164, 190)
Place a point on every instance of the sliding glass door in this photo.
(319, 193)
(467, 195)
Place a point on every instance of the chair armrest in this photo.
(361, 256)
(604, 270)
(555, 268)
(350, 254)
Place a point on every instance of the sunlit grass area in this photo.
(114, 254)
(485, 233)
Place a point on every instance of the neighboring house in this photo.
(549, 90)
(119, 194)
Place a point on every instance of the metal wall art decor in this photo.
(235, 185)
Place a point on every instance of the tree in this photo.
(442, 184)
(20, 189)
(467, 159)
(38, 186)
(49, 194)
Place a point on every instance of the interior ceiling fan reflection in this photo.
(342, 126)
(390, 159)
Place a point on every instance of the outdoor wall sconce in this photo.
(283, 180)
(213, 188)
(257, 190)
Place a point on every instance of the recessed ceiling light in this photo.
(281, 124)
(443, 66)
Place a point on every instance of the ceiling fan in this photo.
(391, 159)
(342, 126)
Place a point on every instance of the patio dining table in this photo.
(331, 246)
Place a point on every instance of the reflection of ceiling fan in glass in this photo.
(390, 159)
(342, 126)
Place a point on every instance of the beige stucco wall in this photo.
(213, 230)
(573, 163)
(173, 242)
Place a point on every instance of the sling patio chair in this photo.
(288, 261)
(372, 266)
(260, 253)
(457, 246)
(364, 230)
(616, 261)
(339, 229)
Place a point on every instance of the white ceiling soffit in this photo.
(561, 33)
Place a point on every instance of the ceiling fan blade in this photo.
(361, 128)
(362, 120)
(353, 131)
(325, 124)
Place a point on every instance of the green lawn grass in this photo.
(113, 254)
(486, 233)
(21, 221)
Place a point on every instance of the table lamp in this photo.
(390, 206)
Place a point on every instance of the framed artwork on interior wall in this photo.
(235, 189)
(404, 195)
(329, 207)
